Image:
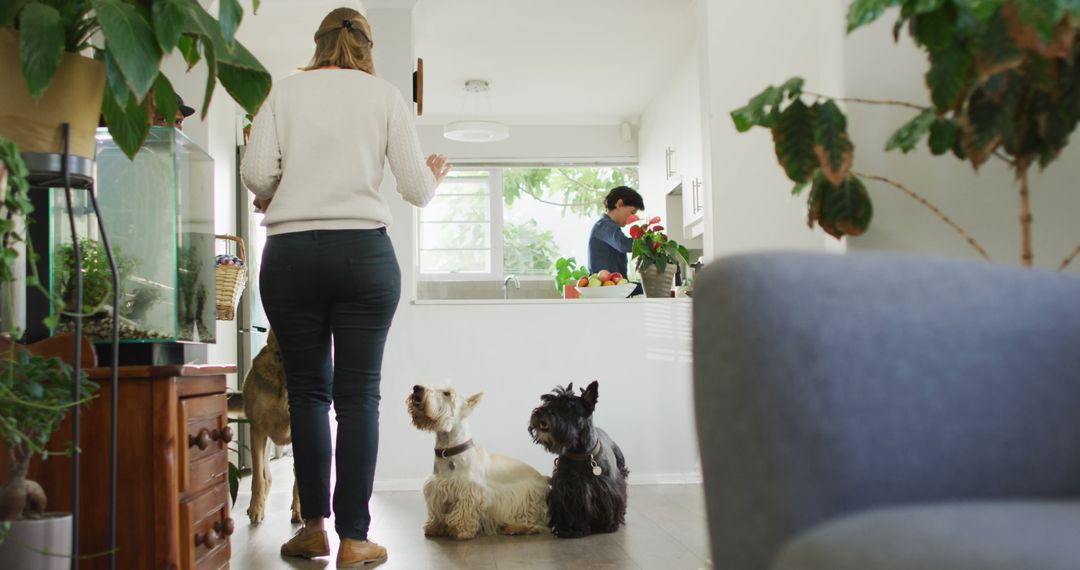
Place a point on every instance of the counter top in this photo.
(634, 301)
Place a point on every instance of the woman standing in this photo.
(329, 275)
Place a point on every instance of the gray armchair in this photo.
(873, 412)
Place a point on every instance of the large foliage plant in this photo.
(132, 37)
(1004, 82)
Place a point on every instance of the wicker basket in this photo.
(231, 280)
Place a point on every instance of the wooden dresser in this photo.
(173, 503)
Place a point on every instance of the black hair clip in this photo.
(347, 24)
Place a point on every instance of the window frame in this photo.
(495, 171)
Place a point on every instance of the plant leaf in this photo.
(115, 78)
(832, 148)
(948, 76)
(245, 79)
(794, 138)
(981, 9)
(189, 48)
(128, 125)
(41, 45)
(165, 103)
(8, 10)
(761, 110)
(169, 17)
(907, 137)
(1042, 15)
(935, 29)
(843, 210)
(943, 135)
(229, 14)
(863, 12)
(131, 40)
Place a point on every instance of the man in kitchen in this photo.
(608, 245)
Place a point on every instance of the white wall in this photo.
(745, 47)
(985, 203)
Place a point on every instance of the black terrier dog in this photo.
(588, 487)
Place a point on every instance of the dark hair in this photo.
(628, 195)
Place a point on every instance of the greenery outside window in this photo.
(487, 223)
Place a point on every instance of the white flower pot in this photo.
(26, 545)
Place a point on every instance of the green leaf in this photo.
(761, 110)
(943, 135)
(189, 48)
(41, 46)
(1043, 15)
(115, 78)
(51, 321)
(229, 14)
(794, 138)
(211, 80)
(840, 211)
(169, 17)
(165, 98)
(863, 12)
(799, 187)
(8, 10)
(981, 9)
(132, 42)
(254, 6)
(128, 125)
(245, 79)
(907, 137)
(834, 149)
(950, 70)
(926, 6)
(936, 29)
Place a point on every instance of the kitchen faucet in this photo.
(506, 285)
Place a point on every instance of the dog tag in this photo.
(596, 469)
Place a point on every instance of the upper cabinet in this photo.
(670, 153)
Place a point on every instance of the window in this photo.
(487, 223)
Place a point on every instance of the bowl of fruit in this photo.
(605, 285)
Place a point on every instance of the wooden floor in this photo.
(665, 530)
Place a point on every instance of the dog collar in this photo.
(452, 451)
(584, 456)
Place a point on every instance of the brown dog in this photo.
(266, 406)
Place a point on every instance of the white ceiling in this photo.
(548, 62)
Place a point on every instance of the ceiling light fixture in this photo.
(476, 131)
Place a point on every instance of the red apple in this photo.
(604, 275)
(616, 277)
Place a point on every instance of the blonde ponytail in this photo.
(343, 40)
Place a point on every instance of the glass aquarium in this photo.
(158, 211)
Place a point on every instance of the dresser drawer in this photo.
(205, 529)
(204, 436)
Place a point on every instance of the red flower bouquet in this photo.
(652, 248)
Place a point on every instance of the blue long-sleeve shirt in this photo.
(608, 246)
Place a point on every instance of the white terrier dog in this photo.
(473, 492)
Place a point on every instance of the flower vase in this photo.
(570, 292)
(658, 285)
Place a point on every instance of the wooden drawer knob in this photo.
(225, 435)
(201, 440)
(209, 539)
(225, 528)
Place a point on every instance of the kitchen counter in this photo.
(635, 301)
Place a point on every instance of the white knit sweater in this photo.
(318, 146)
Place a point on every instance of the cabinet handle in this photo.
(225, 435)
(201, 440)
(209, 539)
(225, 528)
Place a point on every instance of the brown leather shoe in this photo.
(359, 553)
(307, 544)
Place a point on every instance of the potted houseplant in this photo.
(567, 273)
(40, 46)
(656, 257)
(35, 396)
(1004, 82)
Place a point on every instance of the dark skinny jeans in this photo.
(341, 286)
